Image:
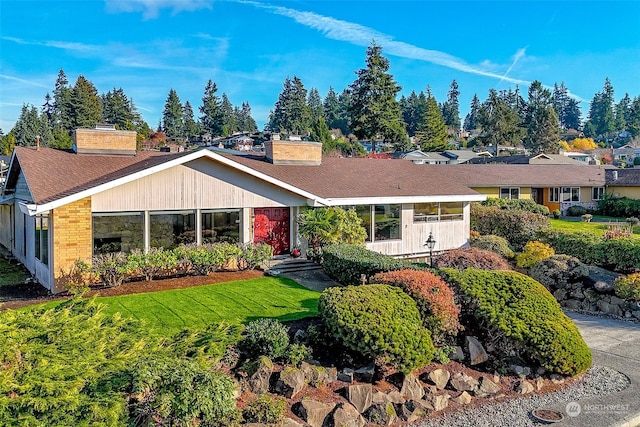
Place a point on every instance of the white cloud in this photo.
(151, 8)
(23, 81)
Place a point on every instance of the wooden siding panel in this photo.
(197, 185)
(22, 188)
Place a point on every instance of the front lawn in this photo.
(597, 226)
(11, 274)
(167, 312)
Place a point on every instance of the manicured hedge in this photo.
(494, 243)
(620, 207)
(472, 258)
(528, 205)
(346, 263)
(378, 321)
(517, 307)
(434, 298)
(517, 226)
(616, 254)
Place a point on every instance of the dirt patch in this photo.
(24, 294)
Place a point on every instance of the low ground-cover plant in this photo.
(265, 409)
(628, 287)
(346, 263)
(533, 253)
(378, 321)
(516, 307)
(517, 226)
(528, 205)
(494, 243)
(434, 298)
(472, 258)
(559, 271)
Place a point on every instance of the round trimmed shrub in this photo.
(266, 337)
(576, 211)
(517, 226)
(434, 298)
(628, 287)
(559, 271)
(533, 253)
(494, 243)
(522, 311)
(472, 258)
(378, 321)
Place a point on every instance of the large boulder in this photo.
(346, 415)
(259, 375)
(477, 353)
(360, 396)
(411, 388)
(464, 382)
(440, 377)
(312, 412)
(383, 414)
(414, 410)
(487, 388)
(291, 382)
(600, 279)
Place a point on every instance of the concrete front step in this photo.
(292, 264)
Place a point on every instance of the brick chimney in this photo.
(287, 152)
(106, 140)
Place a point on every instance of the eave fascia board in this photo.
(406, 199)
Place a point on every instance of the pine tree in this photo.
(314, 101)
(320, 133)
(228, 116)
(499, 120)
(471, 119)
(172, 120)
(451, 108)
(331, 108)
(291, 113)
(633, 122)
(63, 118)
(86, 104)
(118, 109)
(601, 120)
(622, 112)
(413, 109)
(246, 122)
(432, 131)
(541, 121)
(211, 118)
(31, 127)
(191, 127)
(343, 121)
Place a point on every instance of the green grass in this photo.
(167, 312)
(11, 274)
(597, 226)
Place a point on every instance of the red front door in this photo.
(271, 226)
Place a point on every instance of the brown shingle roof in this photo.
(500, 175)
(340, 177)
(53, 174)
(625, 177)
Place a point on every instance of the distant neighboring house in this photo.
(625, 154)
(113, 198)
(521, 159)
(421, 158)
(581, 157)
(554, 186)
(463, 156)
(4, 167)
(623, 182)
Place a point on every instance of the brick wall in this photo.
(97, 140)
(72, 237)
(293, 152)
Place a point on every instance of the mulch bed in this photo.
(24, 294)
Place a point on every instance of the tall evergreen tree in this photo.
(331, 109)
(63, 120)
(246, 122)
(471, 119)
(228, 115)
(211, 118)
(432, 131)
(118, 109)
(49, 109)
(31, 127)
(314, 101)
(86, 104)
(291, 113)
(567, 109)
(601, 121)
(374, 111)
(541, 121)
(413, 109)
(172, 119)
(343, 121)
(320, 133)
(622, 113)
(633, 122)
(451, 108)
(191, 127)
(499, 121)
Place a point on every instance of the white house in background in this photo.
(421, 158)
(112, 198)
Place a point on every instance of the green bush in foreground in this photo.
(517, 307)
(628, 287)
(265, 409)
(266, 337)
(378, 321)
(494, 243)
(517, 226)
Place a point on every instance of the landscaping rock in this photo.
(300, 337)
(395, 396)
(381, 413)
(477, 353)
(258, 381)
(560, 294)
(539, 383)
(556, 378)
(600, 279)
(346, 375)
(439, 402)
(522, 371)
(312, 412)
(457, 355)
(464, 398)
(365, 374)
(380, 397)
(411, 388)
(440, 377)
(332, 374)
(360, 396)
(413, 410)
(487, 388)
(463, 382)
(314, 375)
(347, 415)
(288, 422)
(291, 382)
(573, 304)
(609, 308)
(577, 294)
(524, 387)
(636, 314)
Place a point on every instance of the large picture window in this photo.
(571, 194)
(221, 226)
(117, 232)
(387, 222)
(42, 238)
(433, 212)
(171, 229)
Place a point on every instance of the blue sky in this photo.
(148, 47)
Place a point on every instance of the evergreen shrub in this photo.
(434, 298)
(378, 321)
(576, 210)
(494, 243)
(345, 263)
(528, 205)
(619, 207)
(472, 258)
(266, 337)
(628, 287)
(265, 409)
(516, 307)
(517, 226)
(533, 253)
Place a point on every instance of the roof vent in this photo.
(614, 175)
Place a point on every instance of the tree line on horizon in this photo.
(367, 110)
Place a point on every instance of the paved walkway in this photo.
(615, 344)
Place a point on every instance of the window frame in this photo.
(601, 193)
(41, 240)
(554, 194)
(510, 190)
(570, 194)
(439, 217)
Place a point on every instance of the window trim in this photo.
(510, 190)
(439, 217)
(600, 190)
(570, 193)
(554, 194)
